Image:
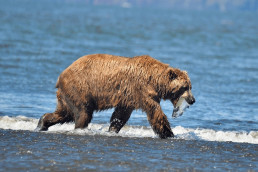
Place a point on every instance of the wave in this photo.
(25, 123)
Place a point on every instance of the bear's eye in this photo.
(172, 75)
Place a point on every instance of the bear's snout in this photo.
(189, 97)
(190, 100)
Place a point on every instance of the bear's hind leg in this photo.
(83, 117)
(49, 119)
(61, 115)
(119, 117)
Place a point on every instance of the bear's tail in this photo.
(57, 83)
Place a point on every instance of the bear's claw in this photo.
(41, 126)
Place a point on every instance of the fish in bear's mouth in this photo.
(180, 107)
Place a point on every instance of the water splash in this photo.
(25, 123)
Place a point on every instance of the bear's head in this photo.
(178, 90)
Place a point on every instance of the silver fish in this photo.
(180, 107)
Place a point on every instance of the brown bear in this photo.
(101, 81)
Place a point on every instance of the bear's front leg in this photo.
(119, 117)
(159, 121)
(160, 124)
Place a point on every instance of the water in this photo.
(39, 39)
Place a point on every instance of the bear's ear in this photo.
(172, 75)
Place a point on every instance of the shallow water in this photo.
(61, 152)
(218, 50)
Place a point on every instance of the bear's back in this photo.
(112, 79)
(98, 64)
(103, 67)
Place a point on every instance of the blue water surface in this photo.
(219, 51)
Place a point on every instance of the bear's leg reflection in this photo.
(119, 117)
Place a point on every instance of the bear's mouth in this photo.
(180, 107)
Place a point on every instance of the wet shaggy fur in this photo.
(100, 81)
